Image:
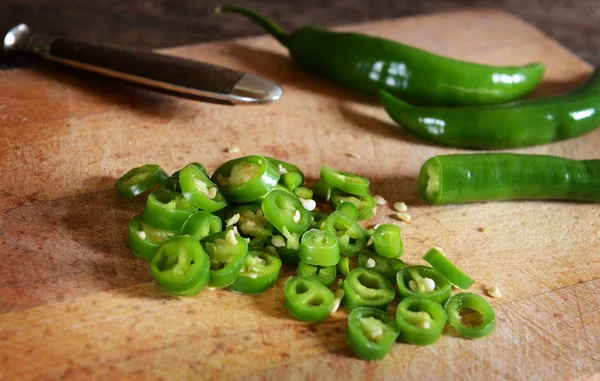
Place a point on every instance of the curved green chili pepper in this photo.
(524, 123)
(258, 274)
(140, 179)
(458, 302)
(180, 266)
(246, 178)
(438, 261)
(201, 224)
(421, 321)
(371, 333)
(167, 210)
(367, 64)
(351, 237)
(325, 275)
(144, 239)
(366, 288)
(388, 267)
(387, 241)
(307, 299)
(319, 248)
(459, 178)
(227, 252)
(423, 281)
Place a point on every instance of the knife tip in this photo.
(253, 89)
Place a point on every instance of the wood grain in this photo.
(74, 298)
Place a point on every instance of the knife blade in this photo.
(159, 72)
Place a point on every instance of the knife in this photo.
(159, 72)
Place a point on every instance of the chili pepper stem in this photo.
(268, 25)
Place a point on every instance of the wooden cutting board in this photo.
(75, 303)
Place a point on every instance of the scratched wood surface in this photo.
(75, 303)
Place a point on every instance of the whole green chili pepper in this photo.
(367, 64)
(523, 123)
(460, 178)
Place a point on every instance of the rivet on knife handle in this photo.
(173, 75)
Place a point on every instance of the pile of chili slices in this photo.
(236, 228)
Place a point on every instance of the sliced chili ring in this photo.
(200, 190)
(351, 237)
(251, 223)
(448, 270)
(324, 274)
(346, 181)
(316, 217)
(303, 192)
(140, 179)
(365, 204)
(319, 248)
(201, 224)
(307, 299)
(388, 267)
(371, 333)
(421, 321)
(284, 210)
(246, 179)
(467, 300)
(291, 180)
(343, 266)
(423, 281)
(144, 239)
(349, 209)
(323, 190)
(387, 241)
(227, 252)
(172, 183)
(181, 266)
(167, 210)
(259, 273)
(366, 288)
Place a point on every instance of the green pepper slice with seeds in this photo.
(388, 267)
(307, 299)
(258, 274)
(181, 266)
(456, 306)
(348, 182)
(348, 208)
(421, 321)
(200, 190)
(351, 237)
(285, 211)
(201, 224)
(319, 248)
(172, 183)
(325, 275)
(251, 223)
(140, 179)
(371, 333)
(366, 288)
(144, 239)
(365, 204)
(387, 241)
(423, 281)
(167, 210)
(246, 179)
(227, 252)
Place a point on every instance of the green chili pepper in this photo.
(180, 266)
(343, 266)
(325, 275)
(172, 183)
(227, 252)
(520, 124)
(351, 237)
(371, 333)
(460, 178)
(319, 248)
(259, 273)
(284, 167)
(365, 204)
(246, 179)
(423, 281)
(284, 210)
(387, 241)
(252, 223)
(316, 217)
(167, 210)
(367, 64)
(144, 239)
(420, 320)
(200, 190)
(291, 180)
(366, 288)
(288, 256)
(448, 270)
(345, 181)
(140, 179)
(388, 267)
(303, 192)
(466, 300)
(349, 209)
(201, 224)
(322, 190)
(307, 299)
